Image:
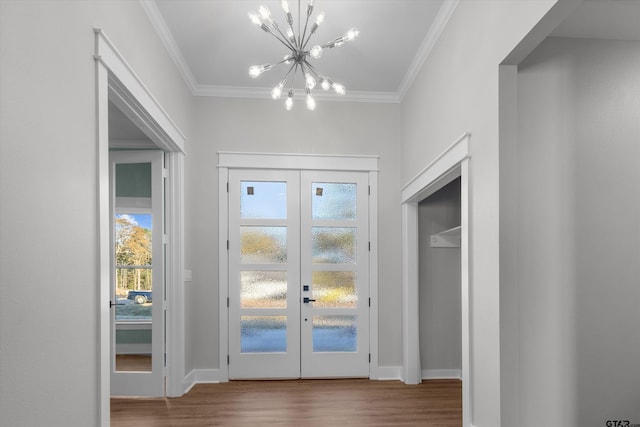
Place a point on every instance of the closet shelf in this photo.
(447, 239)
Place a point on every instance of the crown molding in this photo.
(265, 93)
(160, 25)
(439, 23)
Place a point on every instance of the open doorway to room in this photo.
(130, 118)
(446, 179)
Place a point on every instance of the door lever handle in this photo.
(307, 300)
(111, 304)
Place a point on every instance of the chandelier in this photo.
(298, 55)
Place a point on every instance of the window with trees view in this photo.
(134, 281)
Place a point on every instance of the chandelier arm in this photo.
(286, 76)
(284, 38)
(284, 42)
(314, 70)
(304, 33)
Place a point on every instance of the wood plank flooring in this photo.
(359, 402)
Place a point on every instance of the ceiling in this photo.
(603, 19)
(214, 43)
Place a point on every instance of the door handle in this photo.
(307, 300)
(111, 304)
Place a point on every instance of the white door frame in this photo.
(117, 82)
(234, 160)
(452, 163)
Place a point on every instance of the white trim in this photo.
(422, 185)
(437, 27)
(298, 161)
(104, 244)
(373, 275)
(128, 92)
(265, 93)
(202, 376)
(155, 16)
(453, 162)
(132, 144)
(440, 374)
(116, 81)
(385, 373)
(223, 271)
(175, 315)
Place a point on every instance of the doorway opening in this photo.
(119, 86)
(451, 165)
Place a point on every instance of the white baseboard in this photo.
(202, 376)
(437, 374)
(383, 373)
(198, 376)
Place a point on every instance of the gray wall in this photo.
(48, 219)
(265, 126)
(578, 233)
(440, 281)
(457, 91)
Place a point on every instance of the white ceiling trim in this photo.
(439, 23)
(265, 93)
(158, 22)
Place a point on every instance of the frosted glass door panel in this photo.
(263, 289)
(333, 245)
(263, 245)
(263, 200)
(335, 333)
(263, 334)
(334, 289)
(333, 201)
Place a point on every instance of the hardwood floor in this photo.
(434, 403)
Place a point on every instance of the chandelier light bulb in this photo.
(256, 70)
(311, 103)
(288, 59)
(276, 92)
(320, 18)
(285, 6)
(351, 34)
(255, 18)
(316, 52)
(340, 90)
(289, 102)
(325, 84)
(265, 14)
(290, 35)
(311, 82)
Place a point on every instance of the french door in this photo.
(137, 285)
(298, 274)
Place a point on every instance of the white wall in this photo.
(440, 279)
(48, 206)
(578, 233)
(265, 126)
(457, 91)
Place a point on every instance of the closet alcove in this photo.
(439, 225)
